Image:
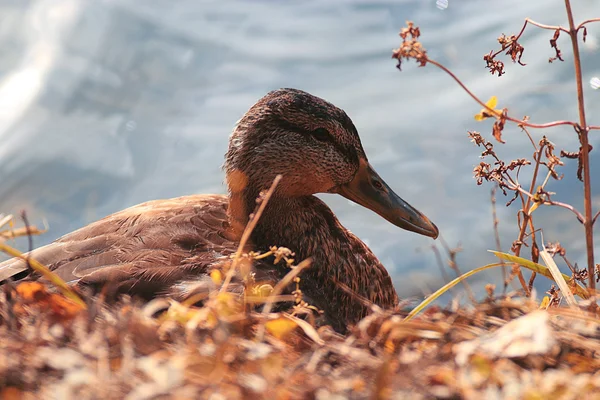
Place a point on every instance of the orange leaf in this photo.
(31, 291)
(280, 327)
(63, 307)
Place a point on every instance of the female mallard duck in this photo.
(148, 249)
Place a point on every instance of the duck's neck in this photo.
(344, 272)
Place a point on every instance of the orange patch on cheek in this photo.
(237, 181)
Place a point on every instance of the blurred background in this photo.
(105, 104)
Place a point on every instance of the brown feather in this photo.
(151, 241)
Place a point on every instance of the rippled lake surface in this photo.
(105, 104)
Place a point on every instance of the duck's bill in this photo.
(370, 191)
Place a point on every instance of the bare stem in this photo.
(569, 207)
(454, 266)
(546, 202)
(585, 157)
(247, 232)
(526, 215)
(438, 258)
(543, 26)
(497, 237)
(508, 118)
(595, 217)
(533, 245)
(587, 21)
(532, 22)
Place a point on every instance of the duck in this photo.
(149, 249)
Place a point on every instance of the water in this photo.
(105, 104)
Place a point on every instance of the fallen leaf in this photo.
(529, 334)
(280, 327)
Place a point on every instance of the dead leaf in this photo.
(280, 327)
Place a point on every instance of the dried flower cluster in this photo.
(554, 249)
(500, 172)
(410, 48)
(513, 49)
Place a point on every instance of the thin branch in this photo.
(521, 190)
(526, 215)
(5, 219)
(440, 263)
(454, 266)
(543, 26)
(29, 240)
(548, 202)
(587, 21)
(497, 237)
(247, 231)
(492, 111)
(518, 36)
(595, 216)
(533, 245)
(569, 207)
(530, 139)
(585, 157)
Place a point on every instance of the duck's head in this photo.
(316, 148)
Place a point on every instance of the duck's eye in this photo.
(321, 134)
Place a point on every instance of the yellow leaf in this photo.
(533, 207)
(485, 113)
(492, 102)
(542, 270)
(216, 276)
(227, 304)
(280, 327)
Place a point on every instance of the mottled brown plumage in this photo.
(151, 248)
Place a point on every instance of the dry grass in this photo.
(52, 348)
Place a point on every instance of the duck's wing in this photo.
(142, 249)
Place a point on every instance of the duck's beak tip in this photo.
(413, 220)
(434, 231)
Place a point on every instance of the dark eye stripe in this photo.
(346, 150)
(288, 126)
